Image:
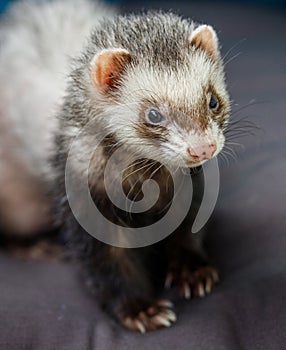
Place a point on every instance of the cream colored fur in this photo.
(37, 39)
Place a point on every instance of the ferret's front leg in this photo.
(125, 290)
(189, 269)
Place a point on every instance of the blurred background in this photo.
(4, 3)
(281, 3)
(247, 232)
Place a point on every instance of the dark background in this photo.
(275, 3)
(44, 304)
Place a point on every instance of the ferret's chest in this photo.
(136, 184)
(126, 189)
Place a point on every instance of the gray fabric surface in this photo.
(45, 306)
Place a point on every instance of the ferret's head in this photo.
(159, 84)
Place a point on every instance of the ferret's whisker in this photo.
(134, 164)
(232, 58)
(226, 152)
(142, 176)
(227, 147)
(232, 48)
(235, 144)
(247, 105)
(135, 171)
(224, 158)
(150, 177)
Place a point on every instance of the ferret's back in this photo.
(37, 39)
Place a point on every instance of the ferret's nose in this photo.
(202, 152)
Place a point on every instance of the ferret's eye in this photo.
(213, 104)
(154, 117)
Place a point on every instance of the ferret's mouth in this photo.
(192, 164)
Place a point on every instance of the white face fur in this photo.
(175, 115)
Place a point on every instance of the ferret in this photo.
(37, 40)
(154, 86)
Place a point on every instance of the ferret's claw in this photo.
(171, 315)
(186, 290)
(209, 285)
(165, 303)
(201, 290)
(155, 316)
(134, 324)
(190, 283)
(161, 321)
(168, 281)
(140, 326)
(215, 275)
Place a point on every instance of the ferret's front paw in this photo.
(193, 283)
(157, 315)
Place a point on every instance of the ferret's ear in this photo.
(205, 38)
(107, 67)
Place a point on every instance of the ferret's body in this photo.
(152, 85)
(37, 42)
